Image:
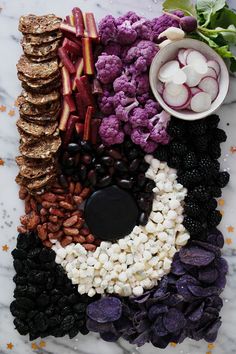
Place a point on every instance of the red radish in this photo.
(200, 102)
(211, 72)
(214, 65)
(198, 61)
(181, 56)
(193, 77)
(168, 70)
(210, 85)
(195, 90)
(180, 77)
(160, 87)
(186, 53)
(176, 96)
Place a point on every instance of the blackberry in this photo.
(161, 153)
(190, 160)
(197, 127)
(211, 205)
(193, 226)
(205, 163)
(192, 209)
(213, 121)
(219, 135)
(215, 191)
(214, 218)
(175, 161)
(201, 193)
(176, 128)
(214, 150)
(222, 179)
(193, 177)
(178, 148)
(201, 143)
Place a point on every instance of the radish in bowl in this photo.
(192, 65)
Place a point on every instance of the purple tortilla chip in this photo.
(174, 320)
(196, 256)
(107, 309)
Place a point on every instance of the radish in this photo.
(200, 102)
(211, 72)
(180, 77)
(186, 53)
(195, 90)
(181, 56)
(176, 96)
(193, 77)
(160, 87)
(210, 85)
(198, 61)
(214, 65)
(168, 70)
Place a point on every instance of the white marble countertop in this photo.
(11, 207)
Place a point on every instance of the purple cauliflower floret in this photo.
(142, 83)
(143, 28)
(113, 48)
(122, 83)
(127, 128)
(158, 126)
(129, 16)
(123, 112)
(108, 67)
(178, 13)
(110, 131)
(121, 99)
(152, 108)
(161, 23)
(139, 118)
(107, 29)
(143, 98)
(140, 136)
(126, 34)
(142, 48)
(106, 103)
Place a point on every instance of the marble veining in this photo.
(11, 207)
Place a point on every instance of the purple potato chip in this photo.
(160, 342)
(107, 309)
(156, 310)
(208, 275)
(173, 300)
(182, 286)
(212, 331)
(222, 266)
(208, 246)
(142, 338)
(214, 301)
(142, 298)
(158, 328)
(196, 256)
(174, 320)
(216, 238)
(212, 312)
(162, 288)
(94, 326)
(220, 282)
(177, 268)
(109, 336)
(197, 313)
(198, 291)
(122, 324)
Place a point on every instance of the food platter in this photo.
(170, 172)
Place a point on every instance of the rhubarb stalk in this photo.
(66, 60)
(71, 47)
(80, 106)
(87, 123)
(71, 103)
(96, 87)
(84, 90)
(90, 26)
(69, 129)
(79, 127)
(79, 67)
(79, 21)
(64, 116)
(88, 56)
(66, 84)
(95, 123)
(66, 28)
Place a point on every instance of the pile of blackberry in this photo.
(46, 303)
(193, 151)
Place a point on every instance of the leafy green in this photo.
(224, 18)
(184, 5)
(233, 64)
(224, 52)
(208, 8)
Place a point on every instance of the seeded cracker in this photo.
(37, 70)
(43, 149)
(41, 50)
(40, 39)
(38, 82)
(36, 183)
(28, 109)
(42, 88)
(35, 129)
(39, 24)
(40, 99)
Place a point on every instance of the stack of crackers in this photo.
(39, 103)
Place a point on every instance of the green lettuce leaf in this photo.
(184, 5)
(207, 8)
(224, 18)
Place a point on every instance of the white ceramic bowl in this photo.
(169, 53)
